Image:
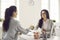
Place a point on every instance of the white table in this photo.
(31, 37)
(27, 37)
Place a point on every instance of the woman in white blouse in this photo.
(45, 23)
(11, 26)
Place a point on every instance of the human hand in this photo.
(36, 35)
(31, 27)
(43, 30)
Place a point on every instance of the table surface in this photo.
(29, 37)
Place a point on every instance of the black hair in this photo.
(8, 14)
(41, 20)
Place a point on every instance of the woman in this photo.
(45, 23)
(11, 26)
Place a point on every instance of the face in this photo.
(43, 14)
(15, 14)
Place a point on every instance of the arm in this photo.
(22, 30)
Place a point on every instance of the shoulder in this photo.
(14, 21)
(50, 21)
(17, 22)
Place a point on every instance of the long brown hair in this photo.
(41, 20)
(8, 14)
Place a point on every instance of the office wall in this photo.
(29, 13)
(29, 10)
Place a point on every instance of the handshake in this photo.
(31, 27)
(36, 34)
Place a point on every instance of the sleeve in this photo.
(22, 30)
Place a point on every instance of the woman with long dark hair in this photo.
(45, 23)
(11, 26)
(44, 17)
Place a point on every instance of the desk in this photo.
(31, 37)
(27, 37)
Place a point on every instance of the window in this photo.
(54, 10)
(53, 7)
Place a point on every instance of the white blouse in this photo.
(47, 25)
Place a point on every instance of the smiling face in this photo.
(44, 15)
(15, 14)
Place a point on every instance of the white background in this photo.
(29, 10)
